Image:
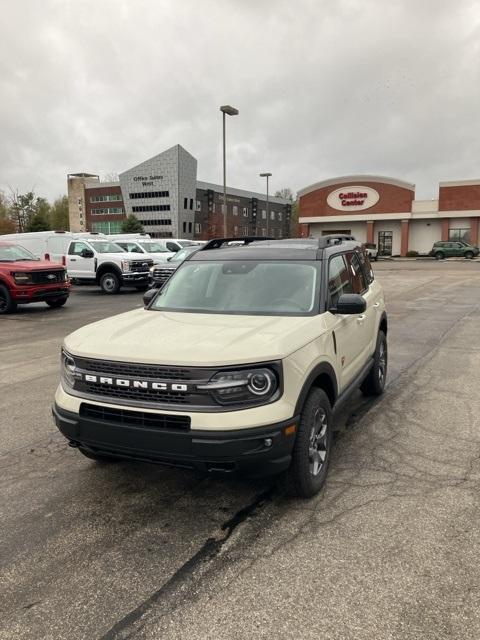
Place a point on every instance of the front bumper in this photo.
(138, 277)
(255, 452)
(40, 293)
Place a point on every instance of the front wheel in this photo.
(311, 452)
(7, 305)
(439, 255)
(55, 304)
(374, 383)
(469, 255)
(110, 283)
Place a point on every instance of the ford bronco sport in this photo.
(239, 363)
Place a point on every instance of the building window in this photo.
(280, 216)
(198, 227)
(150, 194)
(235, 230)
(199, 205)
(385, 242)
(107, 211)
(264, 214)
(107, 198)
(272, 215)
(459, 235)
(245, 212)
(235, 210)
(185, 203)
(156, 223)
(151, 207)
(184, 227)
(245, 231)
(189, 227)
(191, 204)
(107, 227)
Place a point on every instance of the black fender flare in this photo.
(107, 267)
(383, 319)
(318, 370)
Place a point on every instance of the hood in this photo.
(191, 339)
(126, 255)
(32, 265)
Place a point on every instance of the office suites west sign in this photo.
(353, 198)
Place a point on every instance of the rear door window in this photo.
(359, 282)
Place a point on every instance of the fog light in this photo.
(268, 442)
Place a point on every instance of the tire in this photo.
(110, 283)
(7, 305)
(310, 460)
(374, 383)
(439, 255)
(469, 255)
(376, 258)
(98, 458)
(56, 304)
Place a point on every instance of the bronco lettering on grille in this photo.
(134, 384)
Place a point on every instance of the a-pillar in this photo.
(404, 238)
(445, 228)
(370, 235)
(474, 231)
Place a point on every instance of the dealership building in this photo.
(164, 194)
(384, 211)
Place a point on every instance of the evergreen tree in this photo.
(132, 224)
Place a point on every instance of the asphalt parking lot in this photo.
(390, 549)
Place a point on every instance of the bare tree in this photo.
(285, 193)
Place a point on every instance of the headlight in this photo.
(126, 265)
(22, 278)
(249, 386)
(68, 368)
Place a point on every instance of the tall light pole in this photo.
(267, 176)
(229, 111)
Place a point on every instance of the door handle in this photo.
(73, 259)
(376, 305)
(361, 318)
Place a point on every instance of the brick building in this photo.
(164, 194)
(384, 211)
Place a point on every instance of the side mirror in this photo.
(87, 253)
(148, 296)
(349, 304)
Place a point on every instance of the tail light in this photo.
(64, 261)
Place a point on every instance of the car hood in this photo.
(127, 255)
(192, 339)
(32, 265)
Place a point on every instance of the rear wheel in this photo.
(439, 255)
(7, 305)
(374, 383)
(469, 255)
(55, 304)
(311, 452)
(110, 283)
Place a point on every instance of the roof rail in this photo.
(217, 243)
(327, 241)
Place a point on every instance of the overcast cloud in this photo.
(324, 88)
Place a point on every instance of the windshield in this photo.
(181, 255)
(15, 253)
(244, 287)
(106, 247)
(154, 247)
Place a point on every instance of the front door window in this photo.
(385, 240)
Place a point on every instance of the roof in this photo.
(356, 180)
(243, 193)
(288, 249)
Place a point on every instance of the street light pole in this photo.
(230, 111)
(267, 176)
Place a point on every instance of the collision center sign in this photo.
(353, 198)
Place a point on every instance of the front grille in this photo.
(48, 277)
(141, 265)
(128, 369)
(162, 274)
(135, 418)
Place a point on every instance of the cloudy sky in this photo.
(324, 88)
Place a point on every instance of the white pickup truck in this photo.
(105, 263)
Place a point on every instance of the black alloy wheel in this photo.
(374, 383)
(7, 305)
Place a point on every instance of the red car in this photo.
(24, 279)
